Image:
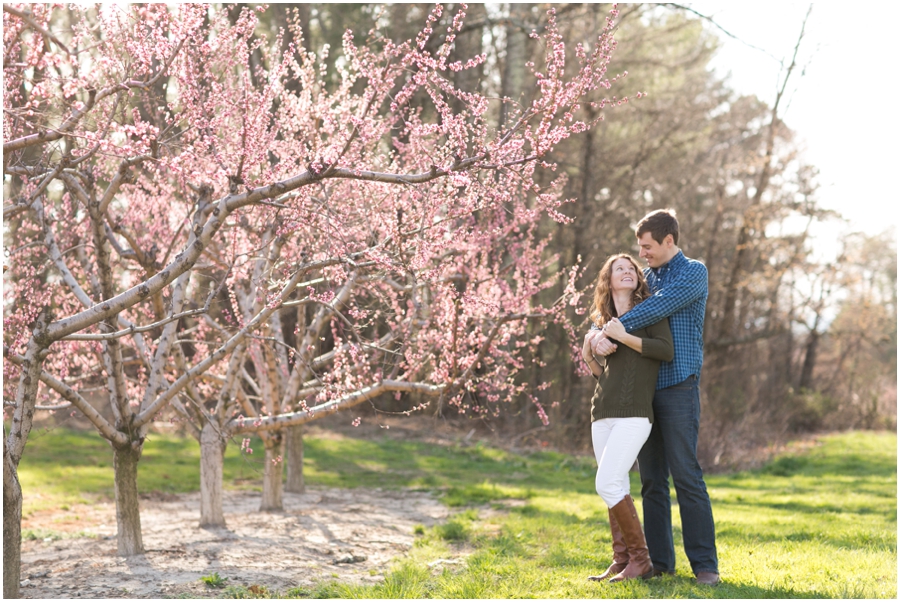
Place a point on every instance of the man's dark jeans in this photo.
(672, 448)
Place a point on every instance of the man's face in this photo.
(656, 254)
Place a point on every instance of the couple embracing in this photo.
(645, 348)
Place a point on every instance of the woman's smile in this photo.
(624, 275)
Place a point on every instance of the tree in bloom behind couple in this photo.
(645, 348)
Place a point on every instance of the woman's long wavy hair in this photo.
(603, 309)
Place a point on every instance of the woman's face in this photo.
(623, 276)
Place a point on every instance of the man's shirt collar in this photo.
(678, 260)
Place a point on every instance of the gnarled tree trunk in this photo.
(128, 514)
(294, 443)
(272, 485)
(13, 446)
(212, 458)
(12, 530)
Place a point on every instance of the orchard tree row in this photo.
(206, 216)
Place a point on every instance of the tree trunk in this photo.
(12, 530)
(212, 458)
(272, 484)
(469, 43)
(294, 482)
(809, 361)
(128, 514)
(512, 81)
(13, 446)
(752, 214)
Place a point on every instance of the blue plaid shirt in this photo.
(679, 291)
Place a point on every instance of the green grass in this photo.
(214, 580)
(61, 467)
(818, 524)
(54, 535)
(52, 476)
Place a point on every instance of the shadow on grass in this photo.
(812, 507)
(817, 507)
(392, 463)
(820, 464)
(678, 586)
(776, 535)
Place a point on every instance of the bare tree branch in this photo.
(147, 413)
(723, 30)
(134, 328)
(74, 398)
(270, 423)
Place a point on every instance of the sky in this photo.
(844, 106)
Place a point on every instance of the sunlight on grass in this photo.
(822, 525)
(53, 476)
(818, 523)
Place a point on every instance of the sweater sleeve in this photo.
(658, 345)
(690, 286)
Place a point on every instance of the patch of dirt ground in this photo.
(345, 534)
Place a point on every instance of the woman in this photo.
(622, 406)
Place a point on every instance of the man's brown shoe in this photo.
(708, 578)
(658, 572)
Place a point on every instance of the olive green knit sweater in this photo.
(625, 387)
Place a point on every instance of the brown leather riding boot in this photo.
(639, 564)
(620, 552)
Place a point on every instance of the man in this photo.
(679, 290)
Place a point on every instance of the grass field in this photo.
(818, 523)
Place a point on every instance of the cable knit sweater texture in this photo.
(626, 386)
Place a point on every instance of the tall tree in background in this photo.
(851, 365)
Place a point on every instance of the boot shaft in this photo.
(639, 564)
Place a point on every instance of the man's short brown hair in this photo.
(659, 223)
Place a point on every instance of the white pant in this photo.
(617, 442)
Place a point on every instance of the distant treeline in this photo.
(793, 344)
